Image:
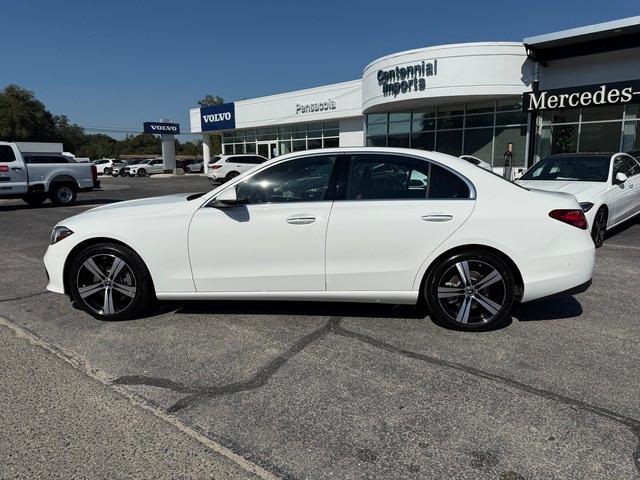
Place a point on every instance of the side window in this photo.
(231, 160)
(300, 180)
(634, 166)
(6, 154)
(387, 177)
(446, 184)
(622, 164)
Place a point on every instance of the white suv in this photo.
(225, 167)
(147, 167)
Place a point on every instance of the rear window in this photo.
(6, 154)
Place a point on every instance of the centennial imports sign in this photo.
(408, 78)
(161, 127)
(582, 97)
(218, 117)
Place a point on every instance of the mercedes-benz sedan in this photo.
(353, 225)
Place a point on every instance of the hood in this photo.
(143, 206)
(583, 191)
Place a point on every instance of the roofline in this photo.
(582, 31)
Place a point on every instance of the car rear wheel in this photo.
(599, 229)
(142, 172)
(63, 194)
(231, 175)
(110, 282)
(472, 290)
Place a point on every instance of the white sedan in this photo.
(146, 167)
(353, 225)
(606, 185)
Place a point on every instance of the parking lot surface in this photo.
(338, 390)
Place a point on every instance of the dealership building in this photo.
(576, 90)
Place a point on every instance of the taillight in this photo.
(4, 168)
(214, 166)
(94, 173)
(572, 217)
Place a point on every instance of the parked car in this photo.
(146, 167)
(36, 177)
(103, 164)
(195, 167)
(477, 162)
(115, 163)
(606, 185)
(348, 224)
(223, 168)
(121, 169)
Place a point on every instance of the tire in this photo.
(121, 297)
(599, 229)
(461, 305)
(142, 172)
(63, 194)
(35, 199)
(231, 175)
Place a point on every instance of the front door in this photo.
(273, 239)
(396, 210)
(13, 173)
(268, 149)
(624, 194)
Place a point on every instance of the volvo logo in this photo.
(217, 117)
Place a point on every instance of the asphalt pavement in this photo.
(308, 390)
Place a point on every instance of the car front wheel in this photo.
(472, 290)
(110, 282)
(142, 172)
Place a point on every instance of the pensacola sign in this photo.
(584, 96)
(218, 117)
(161, 127)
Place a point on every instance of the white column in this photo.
(206, 151)
(168, 152)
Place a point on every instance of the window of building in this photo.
(479, 129)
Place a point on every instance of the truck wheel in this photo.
(35, 199)
(63, 194)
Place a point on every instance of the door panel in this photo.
(380, 245)
(624, 195)
(270, 247)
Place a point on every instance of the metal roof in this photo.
(598, 38)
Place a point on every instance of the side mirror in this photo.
(226, 199)
(620, 178)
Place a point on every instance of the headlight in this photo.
(586, 206)
(59, 233)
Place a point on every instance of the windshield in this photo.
(574, 168)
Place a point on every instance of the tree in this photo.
(71, 135)
(209, 100)
(24, 118)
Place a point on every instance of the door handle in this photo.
(437, 217)
(301, 220)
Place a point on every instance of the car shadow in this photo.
(558, 308)
(80, 203)
(624, 226)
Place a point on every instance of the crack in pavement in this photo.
(23, 297)
(333, 325)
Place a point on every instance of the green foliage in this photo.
(209, 100)
(23, 118)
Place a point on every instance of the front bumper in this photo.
(54, 260)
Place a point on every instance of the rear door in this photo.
(13, 173)
(392, 213)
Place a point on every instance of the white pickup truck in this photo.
(36, 177)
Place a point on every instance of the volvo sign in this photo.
(218, 117)
(159, 128)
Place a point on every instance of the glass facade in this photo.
(282, 139)
(481, 129)
(608, 128)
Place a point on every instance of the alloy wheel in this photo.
(599, 228)
(471, 292)
(64, 194)
(106, 284)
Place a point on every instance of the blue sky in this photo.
(119, 63)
